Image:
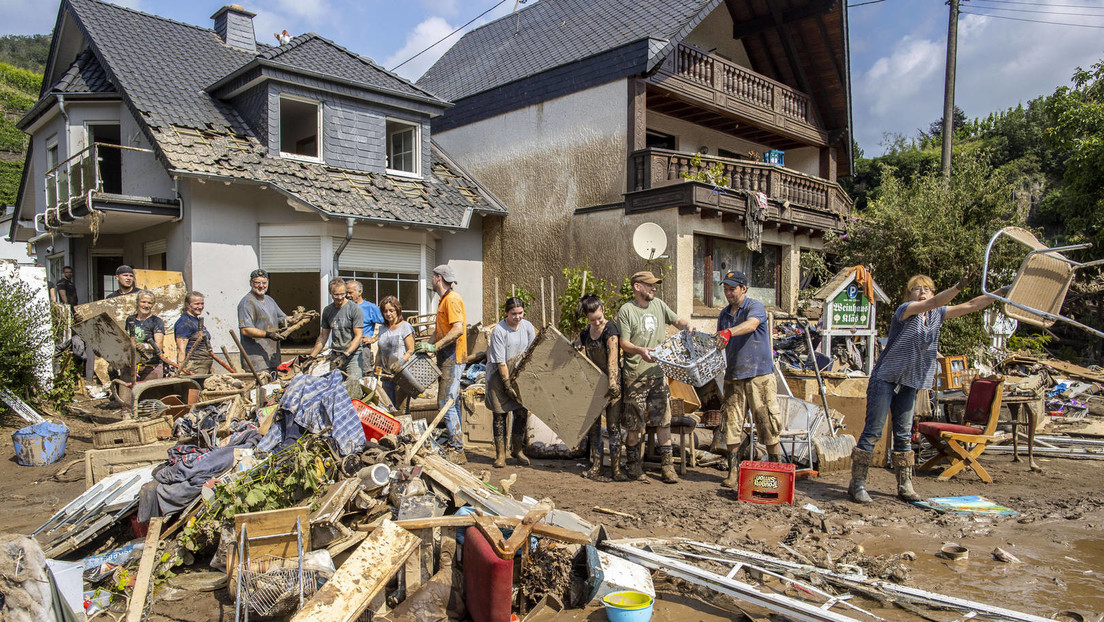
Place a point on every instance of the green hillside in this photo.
(18, 92)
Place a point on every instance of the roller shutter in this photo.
(301, 253)
(380, 256)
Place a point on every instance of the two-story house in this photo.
(164, 145)
(583, 116)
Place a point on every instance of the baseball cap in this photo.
(735, 278)
(446, 273)
(645, 276)
(124, 270)
(258, 273)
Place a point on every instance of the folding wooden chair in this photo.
(1041, 283)
(951, 440)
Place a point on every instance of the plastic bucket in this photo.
(628, 606)
(40, 444)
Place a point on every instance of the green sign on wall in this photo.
(851, 308)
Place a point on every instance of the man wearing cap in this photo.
(749, 383)
(259, 320)
(647, 400)
(124, 276)
(450, 343)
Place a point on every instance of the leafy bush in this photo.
(21, 336)
(20, 79)
(10, 174)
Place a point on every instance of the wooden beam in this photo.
(688, 210)
(709, 212)
(150, 553)
(787, 16)
(789, 47)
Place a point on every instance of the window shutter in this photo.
(156, 247)
(380, 256)
(300, 253)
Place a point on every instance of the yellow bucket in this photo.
(628, 600)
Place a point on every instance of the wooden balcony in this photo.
(754, 103)
(798, 201)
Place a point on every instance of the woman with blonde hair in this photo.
(147, 331)
(907, 365)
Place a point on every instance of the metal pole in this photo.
(544, 318)
(949, 88)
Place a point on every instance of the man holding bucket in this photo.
(749, 383)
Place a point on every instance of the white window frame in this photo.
(417, 155)
(52, 145)
(280, 123)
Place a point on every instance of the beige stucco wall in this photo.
(543, 161)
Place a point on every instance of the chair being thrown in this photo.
(982, 409)
(1039, 289)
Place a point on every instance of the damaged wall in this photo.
(543, 161)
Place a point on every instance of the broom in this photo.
(834, 451)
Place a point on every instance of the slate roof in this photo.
(162, 67)
(551, 33)
(85, 75)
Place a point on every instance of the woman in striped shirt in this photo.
(907, 365)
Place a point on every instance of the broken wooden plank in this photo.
(150, 553)
(415, 574)
(332, 505)
(99, 463)
(362, 577)
(561, 386)
(466, 520)
(429, 429)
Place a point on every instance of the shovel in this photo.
(833, 451)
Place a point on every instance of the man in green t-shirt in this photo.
(647, 399)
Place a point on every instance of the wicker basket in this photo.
(691, 357)
(711, 418)
(131, 433)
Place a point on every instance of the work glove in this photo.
(273, 335)
(510, 389)
(614, 391)
(340, 360)
(395, 367)
(425, 347)
(723, 336)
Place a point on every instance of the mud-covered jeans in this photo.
(884, 398)
(448, 387)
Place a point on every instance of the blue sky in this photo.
(898, 47)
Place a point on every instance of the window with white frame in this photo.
(51, 153)
(402, 147)
(378, 285)
(300, 128)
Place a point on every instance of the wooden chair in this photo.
(980, 428)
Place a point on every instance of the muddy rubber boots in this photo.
(499, 431)
(594, 451)
(667, 468)
(634, 459)
(860, 465)
(616, 474)
(733, 479)
(903, 463)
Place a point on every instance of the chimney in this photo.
(234, 25)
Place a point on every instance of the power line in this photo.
(865, 3)
(1048, 4)
(498, 4)
(1034, 21)
(998, 8)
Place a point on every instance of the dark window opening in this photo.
(725, 153)
(299, 127)
(659, 140)
(713, 257)
(109, 157)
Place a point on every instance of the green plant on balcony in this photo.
(712, 174)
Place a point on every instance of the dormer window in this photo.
(403, 155)
(300, 128)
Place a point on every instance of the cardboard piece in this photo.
(107, 338)
(168, 302)
(478, 421)
(561, 386)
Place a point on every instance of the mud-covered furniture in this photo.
(961, 445)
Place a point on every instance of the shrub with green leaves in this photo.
(22, 336)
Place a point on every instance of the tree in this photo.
(958, 121)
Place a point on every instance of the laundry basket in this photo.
(691, 357)
(40, 444)
(418, 373)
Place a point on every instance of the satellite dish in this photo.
(649, 240)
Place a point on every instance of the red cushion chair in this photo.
(960, 445)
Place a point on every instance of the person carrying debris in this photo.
(193, 341)
(147, 331)
(599, 341)
(907, 365)
(373, 319)
(124, 276)
(259, 320)
(647, 399)
(749, 383)
(450, 343)
(344, 322)
(510, 338)
(396, 345)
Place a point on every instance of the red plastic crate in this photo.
(375, 422)
(766, 482)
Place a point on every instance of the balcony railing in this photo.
(73, 181)
(697, 75)
(653, 168)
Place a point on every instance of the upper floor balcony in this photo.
(96, 191)
(798, 202)
(690, 79)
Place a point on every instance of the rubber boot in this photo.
(733, 479)
(860, 464)
(595, 452)
(634, 457)
(616, 474)
(517, 449)
(667, 468)
(499, 431)
(903, 462)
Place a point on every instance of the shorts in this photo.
(647, 402)
(759, 395)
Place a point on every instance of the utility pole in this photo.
(949, 88)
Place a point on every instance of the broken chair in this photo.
(960, 445)
(1039, 289)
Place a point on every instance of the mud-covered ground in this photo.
(1056, 536)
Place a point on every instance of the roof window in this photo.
(300, 128)
(403, 155)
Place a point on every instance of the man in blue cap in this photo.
(749, 383)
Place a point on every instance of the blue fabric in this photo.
(448, 387)
(748, 355)
(910, 352)
(883, 398)
(317, 402)
(372, 316)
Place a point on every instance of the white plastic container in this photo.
(70, 581)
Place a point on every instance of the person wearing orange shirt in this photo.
(450, 343)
